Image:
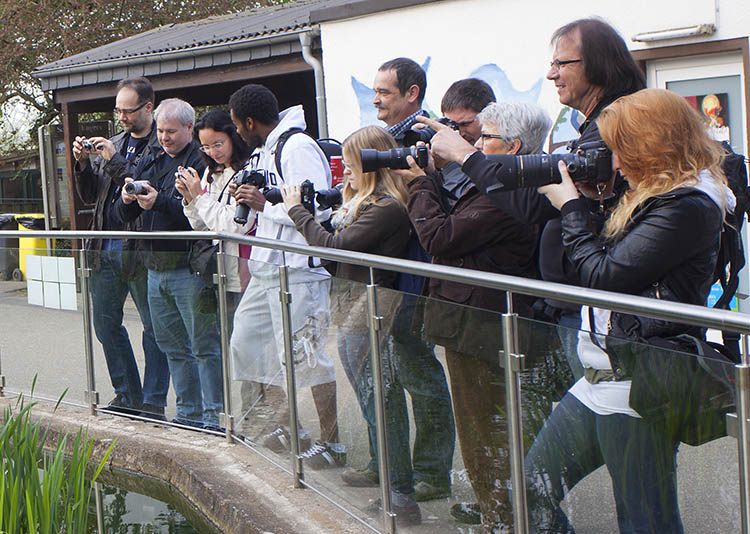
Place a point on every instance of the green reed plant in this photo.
(43, 493)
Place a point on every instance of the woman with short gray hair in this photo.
(521, 127)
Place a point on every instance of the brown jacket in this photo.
(473, 234)
(382, 228)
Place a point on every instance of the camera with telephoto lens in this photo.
(592, 163)
(136, 188)
(394, 158)
(247, 177)
(88, 145)
(411, 137)
(326, 198)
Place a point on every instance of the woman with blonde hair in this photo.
(373, 219)
(661, 240)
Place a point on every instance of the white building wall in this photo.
(510, 38)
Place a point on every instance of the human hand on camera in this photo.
(559, 194)
(147, 200)
(79, 151)
(447, 143)
(249, 194)
(190, 179)
(414, 170)
(127, 198)
(182, 189)
(103, 146)
(292, 195)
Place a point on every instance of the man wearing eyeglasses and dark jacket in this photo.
(100, 170)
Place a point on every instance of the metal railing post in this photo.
(286, 318)
(513, 362)
(743, 432)
(221, 279)
(375, 323)
(99, 502)
(91, 395)
(2, 378)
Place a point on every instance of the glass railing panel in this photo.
(258, 382)
(627, 451)
(41, 321)
(430, 478)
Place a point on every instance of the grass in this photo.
(43, 493)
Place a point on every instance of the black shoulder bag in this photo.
(680, 382)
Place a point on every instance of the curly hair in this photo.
(256, 102)
(661, 143)
(219, 121)
(372, 185)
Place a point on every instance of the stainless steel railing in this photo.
(671, 311)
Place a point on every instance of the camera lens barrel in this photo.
(241, 213)
(394, 158)
(135, 188)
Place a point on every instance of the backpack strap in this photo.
(280, 144)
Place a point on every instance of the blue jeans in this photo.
(109, 289)
(190, 339)
(641, 460)
(354, 352)
(421, 374)
(409, 364)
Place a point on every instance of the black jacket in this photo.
(673, 241)
(94, 184)
(167, 213)
(531, 207)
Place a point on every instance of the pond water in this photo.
(136, 504)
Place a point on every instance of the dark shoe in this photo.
(468, 513)
(406, 516)
(424, 491)
(118, 406)
(321, 456)
(280, 440)
(214, 428)
(151, 411)
(361, 478)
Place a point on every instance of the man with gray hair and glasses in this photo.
(184, 325)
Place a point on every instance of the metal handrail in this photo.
(658, 309)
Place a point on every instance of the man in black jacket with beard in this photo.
(591, 67)
(116, 266)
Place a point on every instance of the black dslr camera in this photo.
(326, 198)
(411, 137)
(394, 158)
(592, 163)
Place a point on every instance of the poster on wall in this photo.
(715, 111)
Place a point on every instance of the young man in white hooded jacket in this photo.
(257, 340)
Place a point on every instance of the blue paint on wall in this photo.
(503, 87)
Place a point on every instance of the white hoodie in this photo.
(301, 159)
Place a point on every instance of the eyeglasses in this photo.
(214, 146)
(490, 136)
(556, 64)
(346, 165)
(126, 111)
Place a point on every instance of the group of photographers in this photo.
(477, 196)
